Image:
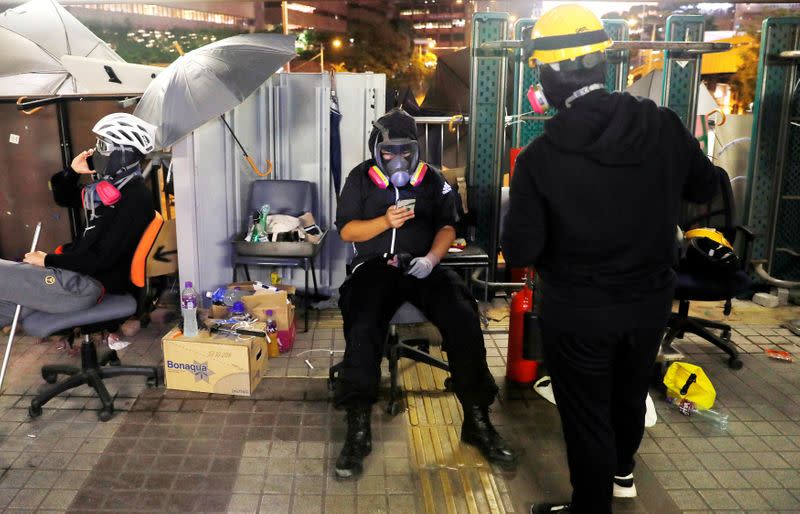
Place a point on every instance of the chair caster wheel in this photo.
(49, 377)
(105, 414)
(726, 335)
(394, 408)
(115, 362)
(34, 411)
(735, 363)
(152, 382)
(448, 384)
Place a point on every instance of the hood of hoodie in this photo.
(400, 124)
(614, 129)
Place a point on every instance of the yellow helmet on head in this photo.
(565, 33)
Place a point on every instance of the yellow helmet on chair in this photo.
(566, 33)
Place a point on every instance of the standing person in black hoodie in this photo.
(397, 254)
(118, 208)
(594, 207)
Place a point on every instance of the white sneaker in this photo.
(624, 487)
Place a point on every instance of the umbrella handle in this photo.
(22, 99)
(718, 111)
(458, 118)
(255, 168)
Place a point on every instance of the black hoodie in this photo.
(361, 199)
(594, 207)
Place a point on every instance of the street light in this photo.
(336, 43)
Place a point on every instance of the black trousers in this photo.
(369, 299)
(600, 383)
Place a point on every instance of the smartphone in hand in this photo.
(408, 203)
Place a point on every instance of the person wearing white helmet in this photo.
(118, 208)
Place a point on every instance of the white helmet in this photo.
(126, 129)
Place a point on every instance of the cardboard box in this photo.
(262, 301)
(213, 363)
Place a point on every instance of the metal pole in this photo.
(16, 315)
(322, 58)
(285, 24)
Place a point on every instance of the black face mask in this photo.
(114, 161)
(558, 86)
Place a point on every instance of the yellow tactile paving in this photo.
(454, 477)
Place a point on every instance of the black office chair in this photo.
(417, 350)
(292, 197)
(692, 286)
(102, 318)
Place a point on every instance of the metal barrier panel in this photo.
(682, 71)
(773, 178)
(487, 89)
(617, 72)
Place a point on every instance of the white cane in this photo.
(16, 315)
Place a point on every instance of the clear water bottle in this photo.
(232, 296)
(189, 301)
(688, 408)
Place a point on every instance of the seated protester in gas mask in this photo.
(398, 250)
(118, 208)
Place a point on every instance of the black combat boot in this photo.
(478, 431)
(357, 443)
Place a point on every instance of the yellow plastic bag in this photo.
(686, 381)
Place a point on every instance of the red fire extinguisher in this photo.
(519, 370)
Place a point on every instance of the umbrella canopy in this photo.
(210, 81)
(34, 36)
(649, 86)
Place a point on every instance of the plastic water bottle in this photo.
(688, 408)
(273, 350)
(232, 296)
(189, 301)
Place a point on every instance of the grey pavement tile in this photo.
(686, 461)
(308, 485)
(275, 504)
(719, 499)
(657, 461)
(672, 479)
(372, 504)
(731, 479)
(698, 444)
(402, 504)
(713, 460)
(15, 478)
(762, 428)
(725, 444)
(781, 499)
(649, 445)
(28, 499)
(687, 499)
(780, 443)
(761, 479)
(6, 495)
(671, 445)
(244, 504)
(43, 479)
(306, 504)
(749, 499)
(788, 478)
(340, 504)
(400, 484)
(742, 460)
(249, 484)
(770, 460)
(752, 443)
(278, 484)
(371, 484)
(701, 480)
(335, 487)
(58, 499)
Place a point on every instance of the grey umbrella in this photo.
(33, 37)
(209, 81)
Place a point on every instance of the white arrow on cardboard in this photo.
(682, 64)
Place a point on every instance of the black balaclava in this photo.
(118, 163)
(560, 85)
